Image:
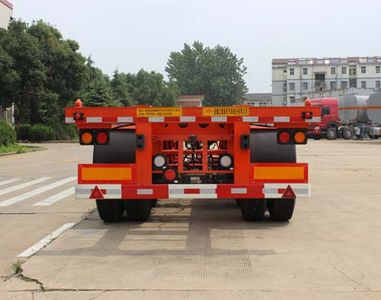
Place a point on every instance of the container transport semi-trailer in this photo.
(143, 153)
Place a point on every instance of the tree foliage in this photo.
(215, 72)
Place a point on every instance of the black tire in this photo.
(154, 202)
(281, 210)
(331, 134)
(347, 134)
(138, 210)
(253, 209)
(110, 210)
(238, 202)
(265, 148)
(120, 150)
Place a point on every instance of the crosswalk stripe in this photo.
(23, 185)
(55, 198)
(35, 192)
(10, 181)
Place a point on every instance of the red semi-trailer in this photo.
(145, 153)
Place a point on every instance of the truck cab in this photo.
(329, 116)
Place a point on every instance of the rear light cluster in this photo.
(292, 137)
(93, 137)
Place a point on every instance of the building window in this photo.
(353, 83)
(363, 70)
(344, 84)
(363, 84)
(305, 85)
(305, 71)
(284, 87)
(292, 99)
(333, 71)
(352, 72)
(291, 86)
(262, 104)
(343, 70)
(378, 69)
(292, 71)
(378, 84)
(333, 85)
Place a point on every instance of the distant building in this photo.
(6, 11)
(190, 100)
(258, 99)
(295, 79)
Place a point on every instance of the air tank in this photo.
(353, 115)
(375, 114)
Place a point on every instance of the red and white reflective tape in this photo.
(192, 119)
(109, 191)
(192, 191)
(276, 190)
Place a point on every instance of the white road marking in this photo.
(46, 240)
(23, 185)
(55, 198)
(35, 192)
(10, 181)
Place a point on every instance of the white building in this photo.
(294, 80)
(6, 10)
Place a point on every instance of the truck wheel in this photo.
(110, 210)
(265, 148)
(253, 209)
(154, 202)
(138, 210)
(281, 209)
(331, 134)
(238, 202)
(347, 134)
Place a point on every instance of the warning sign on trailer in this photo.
(159, 112)
(225, 111)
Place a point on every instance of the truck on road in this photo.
(347, 117)
(143, 153)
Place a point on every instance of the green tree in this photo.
(144, 88)
(215, 72)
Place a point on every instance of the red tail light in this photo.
(102, 138)
(170, 175)
(284, 137)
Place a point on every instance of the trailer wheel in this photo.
(265, 148)
(110, 210)
(347, 134)
(281, 209)
(253, 209)
(331, 133)
(138, 210)
(154, 202)
(238, 202)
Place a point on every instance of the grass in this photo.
(18, 149)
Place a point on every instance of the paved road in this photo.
(195, 249)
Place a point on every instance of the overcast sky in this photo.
(132, 34)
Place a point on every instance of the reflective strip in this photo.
(94, 119)
(204, 191)
(113, 191)
(278, 173)
(144, 192)
(219, 119)
(156, 119)
(187, 119)
(125, 119)
(69, 120)
(281, 119)
(271, 190)
(250, 119)
(105, 173)
(314, 120)
(238, 191)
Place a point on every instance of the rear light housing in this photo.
(296, 136)
(93, 137)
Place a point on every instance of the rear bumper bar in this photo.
(190, 191)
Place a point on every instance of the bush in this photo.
(64, 132)
(40, 133)
(7, 134)
(23, 132)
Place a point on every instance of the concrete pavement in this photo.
(202, 249)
